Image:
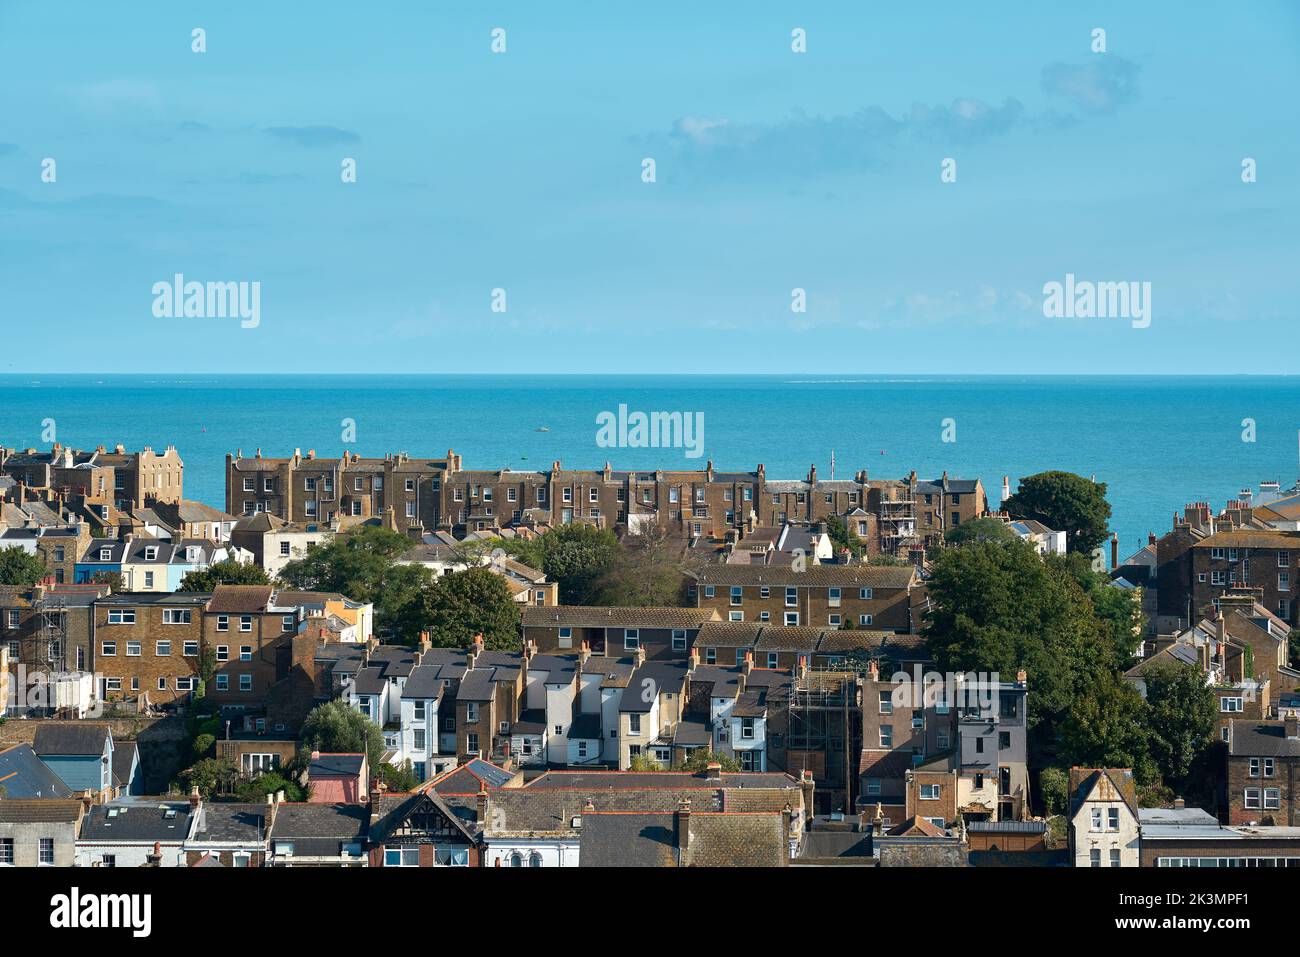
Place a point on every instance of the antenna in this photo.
(832, 465)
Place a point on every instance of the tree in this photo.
(1054, 786)
(1066, 503)
(648, 569)
(842, 536)
(20, 567)
(576, 556)
(113, 580)
(336, 728)
(700, 759)
(644, 762)
(464, 604)
(255, 790)
(1106, 727)
(998, 607)
(362, 564)
(982, 529)
(1182, 717)
(397, 778)
(1118, 609)
(226, 572)
(210, 776)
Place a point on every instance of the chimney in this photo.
(1006, 488)
(812, 475)
(693, 660)
(1151, 538)
(640, 655)
(713, 772)
(195, 800)
(584, 651)
(806, 786)
(87, 800)
(480, 808)
(155, 858)
(873, 670)
(1022, 678)
(1114, 550)
(748, 664)
(1179, 804)
(1292, 726)
(683, 822)
(425, 643)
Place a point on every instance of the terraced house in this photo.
(875, 597)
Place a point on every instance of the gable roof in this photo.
(1111, 783)
(71, 738)
(470, 778)
(24, 775)
(39, 811)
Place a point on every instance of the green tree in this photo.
(210, 775)
(397, 778)
(576, 556)
(113, 580)
(644, 762)
(701, 758)
(254, 791)
(998, 607)
(227, 572)
(336, 728)
(1181, 719)
(842, 536)
(982, 529)
(203, 745)
(19, 567)
(1066, 503)
(362, 564)
(1118, 609)
(648, 569)
(1054, 786)
(1106, 727)
(464, 604)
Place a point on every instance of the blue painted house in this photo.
(79, 752)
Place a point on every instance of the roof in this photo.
(628, 839)
(39, 811)
(137, 821)
(654, 780)
(1181, 816)
(813, 576)
(1007, 827)
(341, 763)
(470, 778)
(320, 830)
(596, 616)
(1261, 739)
(1175, 654)
(1250, 538)
(24, 775)
(71, 738)
(240, 598)
(232, 823)
(125, 755)
(1107, 783)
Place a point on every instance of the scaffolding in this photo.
(825, 732)
(51, 649)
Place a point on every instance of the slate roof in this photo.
(1175, 654)
(24, 775)
(240, 598)
(232, 823)
(628, 839)
(320, 830)
(670, 675)
(137, 821)
(470, 778)
(657, 780)
(1261, 739)
(70, 738)
(745, 839)
(1084, 780)
(348, 764)
(124, 758)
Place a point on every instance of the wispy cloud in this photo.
(1100, 85)
(313, 135)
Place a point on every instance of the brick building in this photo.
(1263, 772)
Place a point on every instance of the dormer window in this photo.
(105, 554)
(151, 553)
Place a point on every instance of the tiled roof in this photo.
(39, 811)
(240, 598)
(536, 616)
(815, 576)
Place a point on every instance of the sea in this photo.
(1157, 442)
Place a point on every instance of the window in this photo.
(833, 597)
(245, 622)
(113, 684)
(566, 638)
(679, 639)
(631, 639)
(1252, 797)
(163, 649)
(245, 652)
(1114, 857)
(737, 594)
(177, 616)
(633, 724)
(735, 616)
(930, 792)
(471, 712)
(187, 684)
(108, 649)
(402, 856)
(162, 684)
(791, 597)
(45, 850)
(1272, 799)
(886, 702)
(471, 742)
(245, 682)
(1094, 857)
(119, 616)
(418, 739)
(833, 620)
(1268, 767)
(410, 486)
(1231, 704)
(792, 619)
(14, 617)
(285, 550)
(886, 736)
(1096, 819)
(223, 623)
(1112, 819)
(248, 485)
(6, 851)
(771, 659)
(1254, 767)
(223, 652)
(223, 682)
(288, 622)
(133, 649)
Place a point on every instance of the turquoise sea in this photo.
(1157, 442)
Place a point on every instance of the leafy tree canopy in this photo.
(337, 728)
(227, 572)
(19, 567)
(464, 604)
(1066, 503)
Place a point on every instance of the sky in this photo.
(522, 171)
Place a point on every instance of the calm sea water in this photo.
(1157, 442)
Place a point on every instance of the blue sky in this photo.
(775, 170)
